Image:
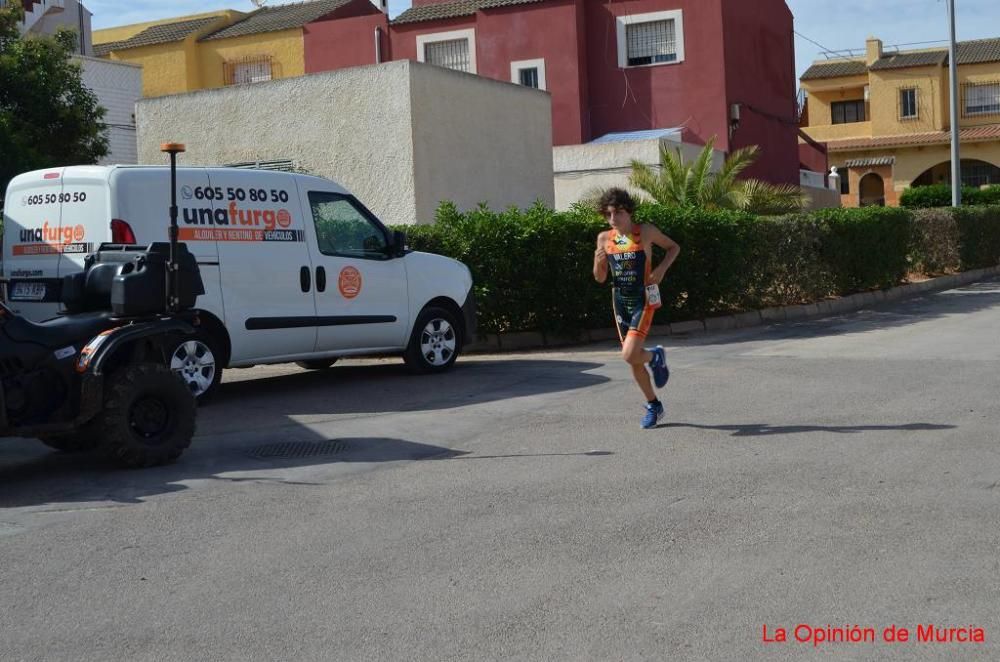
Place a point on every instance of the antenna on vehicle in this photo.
(173, 270)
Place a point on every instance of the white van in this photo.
(295, 268)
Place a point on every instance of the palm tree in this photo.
(678, 183)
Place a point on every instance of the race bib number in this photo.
(653, 299)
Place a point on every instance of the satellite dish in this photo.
(258, 3)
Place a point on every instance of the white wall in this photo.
(402, 136)
(582, 169)
(118, 87)
(51, 15)
(479, 140)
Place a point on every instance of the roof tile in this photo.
(914, 59)
(278, 17)
(835, 69)
(979, 51)
(974, 134)
(454, 9)
(164, 33)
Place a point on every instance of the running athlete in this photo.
(627, 251)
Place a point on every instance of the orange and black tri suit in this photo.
(630, 269)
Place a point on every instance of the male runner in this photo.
(627, 249)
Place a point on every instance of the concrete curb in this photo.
(531, 340)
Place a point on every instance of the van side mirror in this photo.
(398, 244)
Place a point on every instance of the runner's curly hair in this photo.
(618, 198)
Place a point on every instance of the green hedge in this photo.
(532, 268)
(979, 237)
(939, 195)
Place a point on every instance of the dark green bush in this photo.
(935, 248)
(939, 195)
(532, 268)
(979, 236)
(865, 248)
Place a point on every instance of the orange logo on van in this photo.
(51, 240)
(349, 282)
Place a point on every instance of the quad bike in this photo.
(97, 376)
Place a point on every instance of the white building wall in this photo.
(118, 87)
(48, 16)
(402, 136)
(479, 140)
(580, 170)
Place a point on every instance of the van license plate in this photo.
(28, 292)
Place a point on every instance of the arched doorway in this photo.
(974, 173)
(872, 193)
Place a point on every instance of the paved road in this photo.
(843, 471)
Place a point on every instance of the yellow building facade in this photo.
(203, 51)
(885, 118)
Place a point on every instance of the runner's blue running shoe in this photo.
(661, 373)
(654, 412)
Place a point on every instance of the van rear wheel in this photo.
(435, 342)
(195, 360)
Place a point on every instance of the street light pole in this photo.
(956, 160)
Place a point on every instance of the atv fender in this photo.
(95, 356)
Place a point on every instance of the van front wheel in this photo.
(435, 342)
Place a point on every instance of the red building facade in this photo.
(717, 68)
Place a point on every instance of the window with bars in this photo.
(981, 99)
(652, 42)
(908, 104)
(847, 112)
(451, 54)
(252, 69)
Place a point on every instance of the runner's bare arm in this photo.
(601, 259)
(654, 236)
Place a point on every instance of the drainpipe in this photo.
(378, 45)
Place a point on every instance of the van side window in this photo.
(344, 229)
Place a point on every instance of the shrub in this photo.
(532, 268)
(939, 195)
(979, 236)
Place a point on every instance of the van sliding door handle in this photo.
(305, 279)
(320, 279)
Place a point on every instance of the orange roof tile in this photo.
(975, 134)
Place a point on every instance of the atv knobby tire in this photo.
(148, 417)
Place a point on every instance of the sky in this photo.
(835, 25)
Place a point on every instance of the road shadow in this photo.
(42, 478)
(764, 429)
(266, 410)
(388, 387)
